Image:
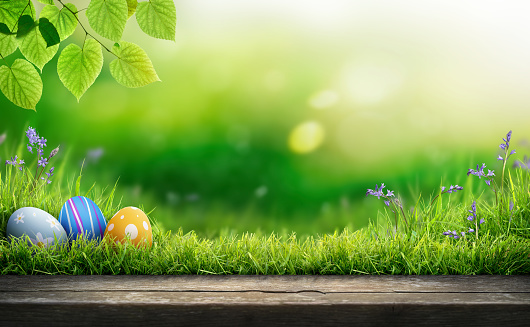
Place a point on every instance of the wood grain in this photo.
(265, 300)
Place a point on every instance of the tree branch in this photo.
(84, 29)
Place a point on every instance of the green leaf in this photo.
(46, 2)
(132, 68)
(21, 84)
(8, 44)
(64, 20)
(48, 32)
(10, 11)
(25, 25)
(4, 29)
(108, 17)
(78, 68)
(157, 18)
(131, 5)
(35, 49)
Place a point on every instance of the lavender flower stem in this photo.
(403, 213)
(395, 216)
(437, 195)
(395, 209)
(476, 228)
(503, 168)
(496, 196)
(35, 178)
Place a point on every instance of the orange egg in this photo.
(132, 223)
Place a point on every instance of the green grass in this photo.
(502, 246)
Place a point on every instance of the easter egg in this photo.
(132, 223)
(81, 216)
(41, 227)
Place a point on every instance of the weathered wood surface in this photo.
(265, 300)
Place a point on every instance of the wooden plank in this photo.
(262, 298)
(258, 315)
(426, 284)
(265, 300)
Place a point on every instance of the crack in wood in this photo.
(260, 291)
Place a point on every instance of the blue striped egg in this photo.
(81, 216)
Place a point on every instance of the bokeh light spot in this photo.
(306, 137)
(368, 82)
(323, 99)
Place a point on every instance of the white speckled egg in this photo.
(41, 227)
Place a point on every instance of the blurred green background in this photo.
(278, 115)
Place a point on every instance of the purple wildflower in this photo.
(50, 173)
(13, 161)
(43, 162)
(32, 136)
(482, 221)
(525, 163)
(377, 192)
(480, 173)
(452, 189)
(36, 142)
(93, 155)
(454, 234)
(30, 131)
(473, 211)
(505, 146)
(42, 142)
(388, 198)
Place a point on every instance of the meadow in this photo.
(255, 152)
(443, 233)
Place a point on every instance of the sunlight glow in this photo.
(306, 137)
(323, 99)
